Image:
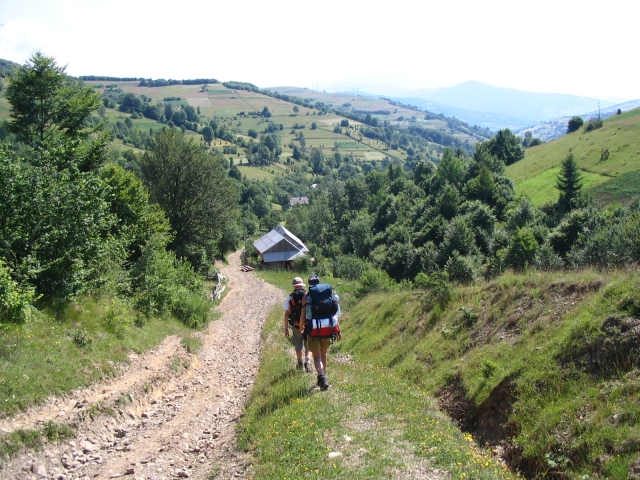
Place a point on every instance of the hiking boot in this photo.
(299, 367)
(307, 366)
(322, 382)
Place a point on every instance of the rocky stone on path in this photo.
(87, 446)
(39, 469)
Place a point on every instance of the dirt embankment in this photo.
(171, 414)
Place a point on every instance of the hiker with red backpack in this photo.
(320, 310)
(292, 318)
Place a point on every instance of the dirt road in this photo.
(171, 414)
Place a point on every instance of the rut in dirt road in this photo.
(174, 414)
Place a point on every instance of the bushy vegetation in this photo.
(74, 224)
(593, 125)
(574, 124)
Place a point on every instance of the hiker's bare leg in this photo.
(323, 357)
(317, 361)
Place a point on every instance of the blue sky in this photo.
(556, 46)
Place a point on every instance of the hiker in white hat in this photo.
(292, 310)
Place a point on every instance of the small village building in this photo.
(298, 201)
(279, 247)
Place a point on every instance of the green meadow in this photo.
(534, 176)
(512, 362)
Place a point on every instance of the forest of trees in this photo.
(461, 218)
(73, 222)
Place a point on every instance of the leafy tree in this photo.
(522, 248)
(196, 193)
(360, 234)
(192, 116)
(207, 134)
(295, 109)
(376, 181)
(451, 170)
(130, 103)
(252, 133)
(374, 280)
(357, 193)
(179, 118)
(234, 172)
(481, 187)
(46, 103)
(15, 299)
(297, 153)
(316, 160)
(569, 183)
(154, 112)
(314, 125)
(138, 219)
(344, 123)
(458, 237)
(168, 112)
(449, 201)
(55, 227)
(260, 206)
(574, 124)
(506, 146)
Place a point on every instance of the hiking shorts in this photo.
(318, 344)
(297, 339)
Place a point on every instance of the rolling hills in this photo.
(241, 111)
(488, 106)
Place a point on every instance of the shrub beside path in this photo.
(170, 414)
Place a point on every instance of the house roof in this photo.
(298, 201)
(279, 245)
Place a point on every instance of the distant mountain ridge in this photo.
(478, 103)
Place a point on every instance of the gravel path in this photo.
(173, 415)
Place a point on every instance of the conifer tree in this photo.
(569, 183)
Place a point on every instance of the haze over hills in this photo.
(557, 127)
(486, 105)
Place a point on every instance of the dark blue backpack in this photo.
(322, 305)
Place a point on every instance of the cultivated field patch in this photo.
(199, 101)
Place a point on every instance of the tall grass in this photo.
(544, 349)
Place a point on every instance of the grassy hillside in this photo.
(226, 104)
(543, 367)
(612, 179)
(371, 423)
(235, 108)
